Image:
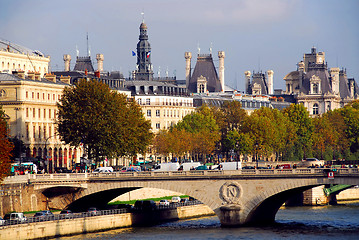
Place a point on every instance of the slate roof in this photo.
(18, 48)
(83, 63)
(11, 77)
(205, 67)
(324, 77)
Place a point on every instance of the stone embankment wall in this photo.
(349, 194)
(75, 226)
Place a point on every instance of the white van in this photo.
(187, 166)
(166, 167)
(230, 166)
(103, 170)
(175, 200)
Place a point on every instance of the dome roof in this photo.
(143, 25)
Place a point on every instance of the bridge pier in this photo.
(229, 215)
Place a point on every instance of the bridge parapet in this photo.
(178, 174)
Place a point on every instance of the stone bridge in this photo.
(237, 197)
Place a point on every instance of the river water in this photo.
(323, 222)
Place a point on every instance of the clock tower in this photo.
(144, 68)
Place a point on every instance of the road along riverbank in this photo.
(64, 227)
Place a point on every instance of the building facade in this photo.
(259, 83)
(14, 57)
(30, 106)
(319, 88)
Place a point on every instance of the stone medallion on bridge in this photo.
(230, 192)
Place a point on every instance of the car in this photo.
(2, 221)
(184, 200)
(44, 215)
(94, 211)
(176, 199)
(248, 167)
(15, 218)
(164, 202)
(311, 163)
(67, 213)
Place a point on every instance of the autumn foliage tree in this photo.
(102, 120)
(5, 146)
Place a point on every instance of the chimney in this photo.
(21, 74)
(38, 76)
(31, 75)
(65, 79)
(51, 77)
(188, 56)
(99, 58)
(221, 57)
(334, 73)
(67, 60)
(270, 82)
(248, 81)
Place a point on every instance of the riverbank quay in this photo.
(109, 220)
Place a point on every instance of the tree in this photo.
(303, 127)
(203, 130)
(103, 120)
(5, 146)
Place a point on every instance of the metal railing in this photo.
(56, 217)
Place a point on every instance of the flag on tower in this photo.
(148, 54)
(133, 53)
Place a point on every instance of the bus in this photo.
(23, 168)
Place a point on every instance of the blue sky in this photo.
(255, 34)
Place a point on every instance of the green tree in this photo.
(103, 120)
(5, 147)
(303, 127)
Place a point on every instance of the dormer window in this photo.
(201, 84)
(315, 87)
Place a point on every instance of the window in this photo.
(33, 95)
(148, 101)
(39, 113)
(33, 134)
(44, 131)
(33, 112)
(27, 112)
(44, 113)
(38, 95)
(50, 113)
(158, 125)
(27, 94)
(27, 131)
(158, 113)
(315, 88)
(315, 109)
(139, 101)
(48, 96)
(148, 113)
(39, 132)
(53, 97)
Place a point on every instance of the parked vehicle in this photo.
(44, 215)
(184, 200)
(148, 205)
(165, 167)
(103, 170)
(93, 211)
(131, 169)
(67, 213)
(202, 167)
(311, 162)
(15, 217)
(176, 199)
(187, 166)
(248, 167)
(230, 166)
(2, 221)
(164, 202)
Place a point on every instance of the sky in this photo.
(256, 35)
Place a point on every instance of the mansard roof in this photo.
(83, 64)
(16, 48)
(324, 77)
(205, 67)
(12, 77)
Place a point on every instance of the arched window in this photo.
(315, 109)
